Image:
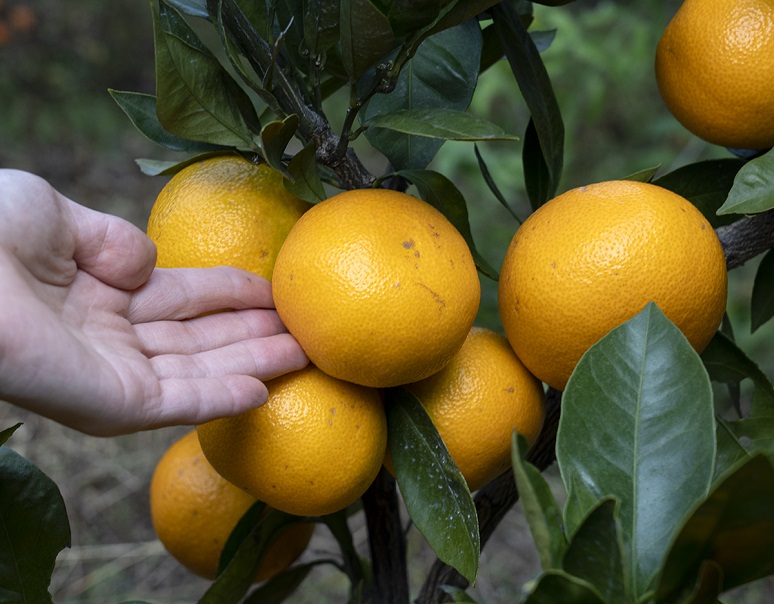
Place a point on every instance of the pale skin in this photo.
(93, 336)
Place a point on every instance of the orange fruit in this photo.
(592, 258)
(715, 71)
(477, 401)
(194, 510)
(312, 449)
(378, 287)
(223, 211)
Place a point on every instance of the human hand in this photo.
(93, 337)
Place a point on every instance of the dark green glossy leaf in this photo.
(321, 24)
(33, 529)
(442, 75)
(154, 167)
(733, 528)
(446, 124)
(537, 176)
(238, 574)
(540, 508)
(8, 432)
(558, 586)
(440, 192)
(596, 552)
(638, 423)
(644, 175)
(492, 184)
(305, 180)
(407, 16)
(365, 36)
(458, 12)
(753, 189)
(730, 451)
(757, 433)
(250, 519)
(194, 8)
(435, 493)
(581, 497)
(141, 111)
(195, 96)
(275, 137)
(459, 595)
(536, 88)
(705, 184)
(278, 589)
(762, 302)
(727, 363)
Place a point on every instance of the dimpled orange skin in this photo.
(312, 449)
(194, 510)
(592, 258)
(478, 400)
(223, 211)
(715, 71)
(377, 286)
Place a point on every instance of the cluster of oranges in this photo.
(381, 290)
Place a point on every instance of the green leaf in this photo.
(249, 520)
(305, 180)
(321, 24)
(407, 16)
(33, 529)
(193, 8)
(540, 508)
(8, 432)
(154, 167)
(762, 302)
(753, 189)
(580, 499)
(446, 124)
(727, 363)
(440, 192)
(644, 175)
(705, 184)
(638, 423)
(459, 595)
(730, 451)
(489, 180)
(536, 88)
(353, 564)
(195, 97)
(141, 111)
(239, 574)
(435, 493)
(732, 528)
(280, 588)
(275, 137)
(596, 552)
(537, 175)
(442, 75)
(365, 36)
(557, 586)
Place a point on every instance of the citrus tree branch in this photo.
(747, 238)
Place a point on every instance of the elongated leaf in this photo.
(459, 595)
(321, 24)
(753, 189)
(538, 180)
(154, 167)
(726, 362)
(305, 180)
(275, 137)
(33, 529)
(489, 180)
(705, 184)
(6, 433)
(280, 588)
(365, 36)
(732, 528)
(644, 175)
(596, 552)
(233, 582)
(440, 192)
(762, 302)
(445, 124)
(730, 449)
(559, 586)
(141, 111)
(540, 508)
(536, 88)
(194, 8)
(195, 96)
(441, 75)
(638, 423)
(581, 497)
(435, 493)
(407, 16)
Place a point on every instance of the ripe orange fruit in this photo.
(194, 510)
(715, 71)
(312, 449)
(593, 257)
(223, 211)
(477, 401)
(378, 287)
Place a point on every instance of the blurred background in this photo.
(58, 61)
